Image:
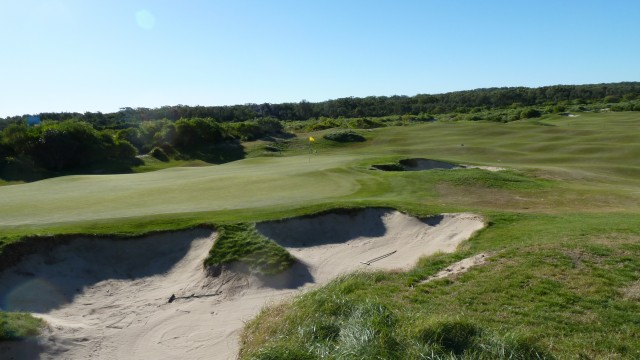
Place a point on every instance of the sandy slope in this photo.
(106, 299)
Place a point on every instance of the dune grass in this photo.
(240, 244)
(563, 221)
(17, 326)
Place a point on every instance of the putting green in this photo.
(251, 183)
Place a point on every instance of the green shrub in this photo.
(323, 124)
(530, 113)
(345, 136)
(362, 123)
(159, 154)
(271, 148)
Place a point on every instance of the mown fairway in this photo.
(563, 223)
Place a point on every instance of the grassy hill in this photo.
(563, 225)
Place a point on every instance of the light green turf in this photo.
(252, 183)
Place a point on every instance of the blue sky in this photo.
(94, 55)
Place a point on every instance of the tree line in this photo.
(74, 145)
(96, 142)
(371, 106)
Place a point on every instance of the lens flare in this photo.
(37, 295)
(145, 19)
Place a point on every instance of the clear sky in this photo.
(101, 55)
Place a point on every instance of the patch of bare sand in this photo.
(488, 168)
(106, 299)
(459, 267)
(633, 291)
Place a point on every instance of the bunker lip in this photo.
(123, 307)
(422, 164)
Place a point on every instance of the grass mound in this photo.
(242, 243)
(492, 179)
(321, 325)
(159, 154)
(17, 326)
(461, 339)
(345, 136)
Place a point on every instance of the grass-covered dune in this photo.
(563, 229)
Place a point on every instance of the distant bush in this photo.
(362, 123)
(271, 148)
(197, 132)
(345, 136)
(65, 145)
(159, 154)
(323, 124)
(530, 113)
(255, 129)
(612, 99)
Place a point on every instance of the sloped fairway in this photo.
(254, 183)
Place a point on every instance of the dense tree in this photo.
(196, 132)
(65, 145)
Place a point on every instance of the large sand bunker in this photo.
(106, 299)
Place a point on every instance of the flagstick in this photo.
(311, 141)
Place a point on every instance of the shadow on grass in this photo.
(25, 170)
(21, 170)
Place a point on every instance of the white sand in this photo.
(488, 168)
(106, 299)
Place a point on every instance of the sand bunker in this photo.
(106, 299)
(419, 164)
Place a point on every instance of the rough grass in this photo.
(17, 326)
(241, 243)
(332, 324)
(558, 289)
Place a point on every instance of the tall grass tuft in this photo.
(334, 325)
(241, 243)
(17, 326)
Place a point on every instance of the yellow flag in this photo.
(311, 139)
